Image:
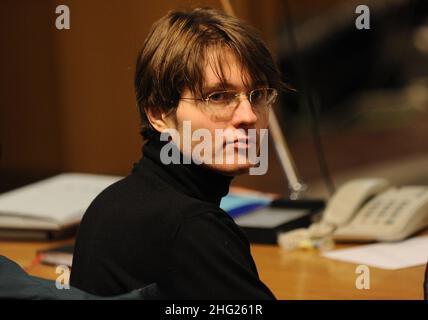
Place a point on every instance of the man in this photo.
(162, 223)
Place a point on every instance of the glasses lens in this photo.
(220, 104)
(263, 97)
(221, 97)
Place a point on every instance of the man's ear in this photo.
(160, 120)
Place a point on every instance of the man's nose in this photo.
(244, 113)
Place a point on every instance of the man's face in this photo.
(235, 125)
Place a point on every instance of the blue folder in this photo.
(236, 204)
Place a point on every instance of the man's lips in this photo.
(242, 142)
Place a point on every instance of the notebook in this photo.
(62, 255)
(51, 208)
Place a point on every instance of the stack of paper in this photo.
(52, 204)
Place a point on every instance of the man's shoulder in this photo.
(130, 210)
(142, 199)
(135, 192)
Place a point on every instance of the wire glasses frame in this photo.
(218, 100)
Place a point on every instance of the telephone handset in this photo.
(373, 210)
(365, 210)
(350, 197)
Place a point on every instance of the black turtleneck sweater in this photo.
(162, 224)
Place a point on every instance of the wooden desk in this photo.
(295, 275)
(306, 275)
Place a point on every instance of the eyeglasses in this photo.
(225, 102)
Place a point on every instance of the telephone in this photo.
(373, 210)
(365, 210)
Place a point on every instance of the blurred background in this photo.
(67, 101)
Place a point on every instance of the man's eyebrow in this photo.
(218, 86)
(229, 86)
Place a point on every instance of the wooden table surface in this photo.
(290, 275)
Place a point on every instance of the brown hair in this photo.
(173, 56)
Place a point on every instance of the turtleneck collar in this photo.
(194, 180)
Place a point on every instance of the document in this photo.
(391, 256)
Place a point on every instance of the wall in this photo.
(67, 100)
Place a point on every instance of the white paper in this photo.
(391, 256)
(60, 199)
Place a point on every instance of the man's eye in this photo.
(218, 96)
(258, 95)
